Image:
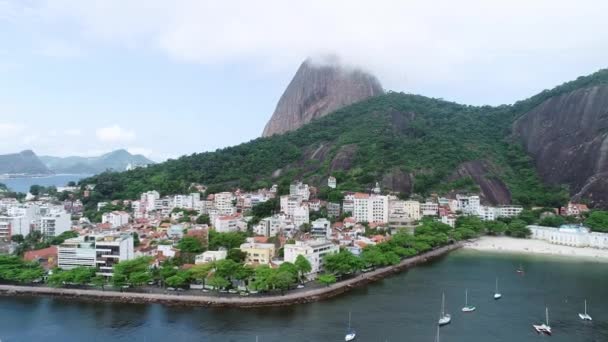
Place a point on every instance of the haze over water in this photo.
(401, 308)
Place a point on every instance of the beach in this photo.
(528, 246)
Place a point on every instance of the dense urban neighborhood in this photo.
(269, 240)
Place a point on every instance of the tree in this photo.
(227, 240)
(99, 281)
(518, 228)
(303, 266)
(203, 219)
(326, 279)
(175, 281)
(236, 255)
(190, 244)
(495, 227)
(18, 238)
(218, 282)
(598, 221)
(282, 280)
(125, 270)
(200, 272)
(140, 278)
(552, 221)
(342, 263)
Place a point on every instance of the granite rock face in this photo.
(317, 90)
(567, 136)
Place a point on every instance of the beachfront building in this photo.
(100, 251)
(258, 253)
(313, 250)
(468, 205)
(509, 210)
(570, 235)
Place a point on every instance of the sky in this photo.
(168, 78)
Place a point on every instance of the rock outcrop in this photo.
(567, 136)
(317, 90)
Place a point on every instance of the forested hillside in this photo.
(411, 144)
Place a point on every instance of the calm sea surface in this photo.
(401, 308)
(24, 184)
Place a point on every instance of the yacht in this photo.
(444, 318)
(467, 307)
(544, 328)
(585, 316)
(520, 270)
(350, 333)
(497, 295)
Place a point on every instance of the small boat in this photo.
(585, 316)
(520, 270)
(350, 333)
(444, 318)
(544, 328)
(497, 295)
(467, 307)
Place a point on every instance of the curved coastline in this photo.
(302, 297)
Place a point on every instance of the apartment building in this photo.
(115, 218)
(313, 250)
(258, 253)
(370, 208)
(99, 251)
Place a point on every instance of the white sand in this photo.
(513, 245)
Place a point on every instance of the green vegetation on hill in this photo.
(423, 137)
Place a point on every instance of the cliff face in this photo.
(317, 90)
(567, 136)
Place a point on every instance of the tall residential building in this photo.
(148, 200)
(223, 203)
(348, 203)
(429, 208)
(289, 203)
(226, 224)
(300, 189)
(313, 250)
(468, 205)
(300, 215)
(321, 228)
(54, 223)
(370, 208)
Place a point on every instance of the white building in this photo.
(223, 203)
(314, 251)
(570, 235)
(210, 256)
(348, 203)
(300, 215)
(321, 228)
(486, 213)
(404, 211)
(101, 251)
(115, 218)
(289, 203)
(226, 224)
(54, 223)
(331, 182)
(509, 210)
(370, 208)
(299, 189)
(450, 220)
(468, 205)
(429, 208)
(148, 200)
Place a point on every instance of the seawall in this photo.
(289, 298)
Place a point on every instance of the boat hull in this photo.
(469, 309)
(350, 337)
(585, 317)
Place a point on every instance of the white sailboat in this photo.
(585, 316)
(544, 328)
(444, 318)
(497, 295)
(350, 333)
(467, 307)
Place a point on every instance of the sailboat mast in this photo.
(585, 307)
(443, 304)
(466, 297)
(547, 315)
(349, 314)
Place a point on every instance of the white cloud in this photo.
(59, 49)
(409, 44)
(115, 134)
(73, 132)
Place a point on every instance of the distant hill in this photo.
(118, 160)
(25, 162)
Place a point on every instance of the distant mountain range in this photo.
(28, 163)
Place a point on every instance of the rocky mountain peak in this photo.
(317, 89)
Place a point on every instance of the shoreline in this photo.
(503, 244)
(303, 297)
